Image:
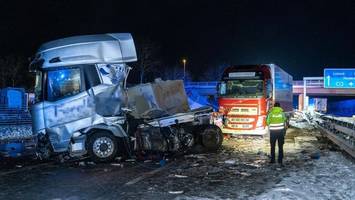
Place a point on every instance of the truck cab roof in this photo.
(86, 49)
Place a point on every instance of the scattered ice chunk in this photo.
(230, 162)
(180, 176)
(176, 192)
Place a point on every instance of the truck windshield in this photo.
(63, 83)
(242, 88)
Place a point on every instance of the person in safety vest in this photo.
(276, 120)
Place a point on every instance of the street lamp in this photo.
(184, 62)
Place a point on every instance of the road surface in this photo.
(238, 171)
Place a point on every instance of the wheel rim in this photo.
(103, 147)
(211, 138)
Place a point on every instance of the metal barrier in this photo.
(339, 130)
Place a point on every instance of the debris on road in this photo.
(245, 174)
(90, 163)
(117, 165)
(230, 162)
(180, 176)
(315, 155)
(330, 177)
(240, 170)
(176, 192)
(196, 156)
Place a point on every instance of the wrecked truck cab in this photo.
(83, 107)
(79, 91)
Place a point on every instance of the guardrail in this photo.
(340, 131)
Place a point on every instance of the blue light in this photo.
(345, 108)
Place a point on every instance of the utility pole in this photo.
(184, 63)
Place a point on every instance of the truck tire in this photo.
(102, 146)
(211, 138)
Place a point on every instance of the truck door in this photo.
(67, 106)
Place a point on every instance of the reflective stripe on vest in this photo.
(278, 126)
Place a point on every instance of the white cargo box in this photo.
(168, 96)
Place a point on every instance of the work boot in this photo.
(272, 161)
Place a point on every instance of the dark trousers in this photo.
(279, 136)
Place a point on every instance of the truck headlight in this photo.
(217, 119)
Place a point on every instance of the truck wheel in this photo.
(212, 138)
(102, 146)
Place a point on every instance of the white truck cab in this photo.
(81, 102)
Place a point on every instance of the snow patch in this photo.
(333, 177)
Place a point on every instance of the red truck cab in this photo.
(245, 95)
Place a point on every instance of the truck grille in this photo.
(243, 111)
(244, 126)
(245, 120)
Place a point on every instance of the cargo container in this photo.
(13, 98)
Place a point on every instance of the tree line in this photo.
(14, 72)
(150, 65)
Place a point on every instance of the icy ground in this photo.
(314, 169)
(312, 172)
(330, 177)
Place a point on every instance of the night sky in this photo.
(302, 37)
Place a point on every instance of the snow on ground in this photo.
(240, 170)
(332, 177)
(312, 171)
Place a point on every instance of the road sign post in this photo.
(339, 78)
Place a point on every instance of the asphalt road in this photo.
(238, 171)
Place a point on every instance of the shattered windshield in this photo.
(112, 73)
(242, 88)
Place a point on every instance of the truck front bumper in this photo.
(244, 132)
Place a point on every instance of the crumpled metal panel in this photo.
(95, 106)
(167, 96)
(64, 117)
